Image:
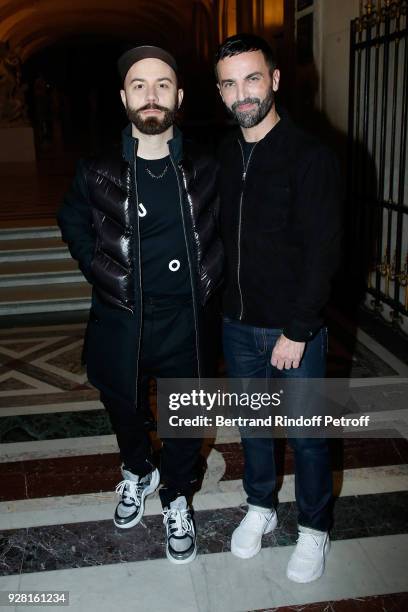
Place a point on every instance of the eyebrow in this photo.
(257, 73)
(143, 80)
(248, 76)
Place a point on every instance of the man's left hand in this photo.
(287, 353)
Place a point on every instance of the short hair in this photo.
(242, 43)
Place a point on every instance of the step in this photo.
(19, 273)
(22, 233)
(35, 255)
(30, 244)
(33, 249)
(31, 267)
(50, 278)
(52, 298)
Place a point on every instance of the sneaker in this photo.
(247, 537)
(180, 532)
(308, 559)
(133, 491)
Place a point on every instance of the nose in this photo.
(151, 93)
(241, 91)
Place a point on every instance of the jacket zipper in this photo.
(244, 173)
(190, 267)
(140, 272)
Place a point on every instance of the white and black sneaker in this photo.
(180, 532)
(133, 491)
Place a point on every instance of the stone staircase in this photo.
(37, 274)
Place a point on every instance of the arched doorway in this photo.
(69, 50)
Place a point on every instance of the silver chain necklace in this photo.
(157, 176)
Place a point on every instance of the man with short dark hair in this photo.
(280, 224)
(141, 224)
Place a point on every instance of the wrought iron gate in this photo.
(377, 177)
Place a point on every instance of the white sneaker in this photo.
(308, 559)
(247, 537)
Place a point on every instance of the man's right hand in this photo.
(287, 353)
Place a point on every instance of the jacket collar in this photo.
(129, 141)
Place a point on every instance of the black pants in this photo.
(168, 350)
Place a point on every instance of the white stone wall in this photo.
(332, 42)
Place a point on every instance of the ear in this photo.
(275, 79)
(180, 96)
(123, 97)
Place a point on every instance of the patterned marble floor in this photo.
(59, 465)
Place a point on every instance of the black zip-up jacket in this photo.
(281, 227)
(99, 221)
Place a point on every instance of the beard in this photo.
(248, 119)
(152, 125)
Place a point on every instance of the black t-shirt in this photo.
(247, 148)
(165, 269)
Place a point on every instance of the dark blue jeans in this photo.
(247, 352)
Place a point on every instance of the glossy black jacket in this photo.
(100, 224)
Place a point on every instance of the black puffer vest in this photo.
(115, 267)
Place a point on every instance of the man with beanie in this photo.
(280, 224)
(141, 224)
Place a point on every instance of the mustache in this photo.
(245, 101)
(152, 106)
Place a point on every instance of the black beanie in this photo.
(126, 61)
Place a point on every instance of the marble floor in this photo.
(59, 465)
